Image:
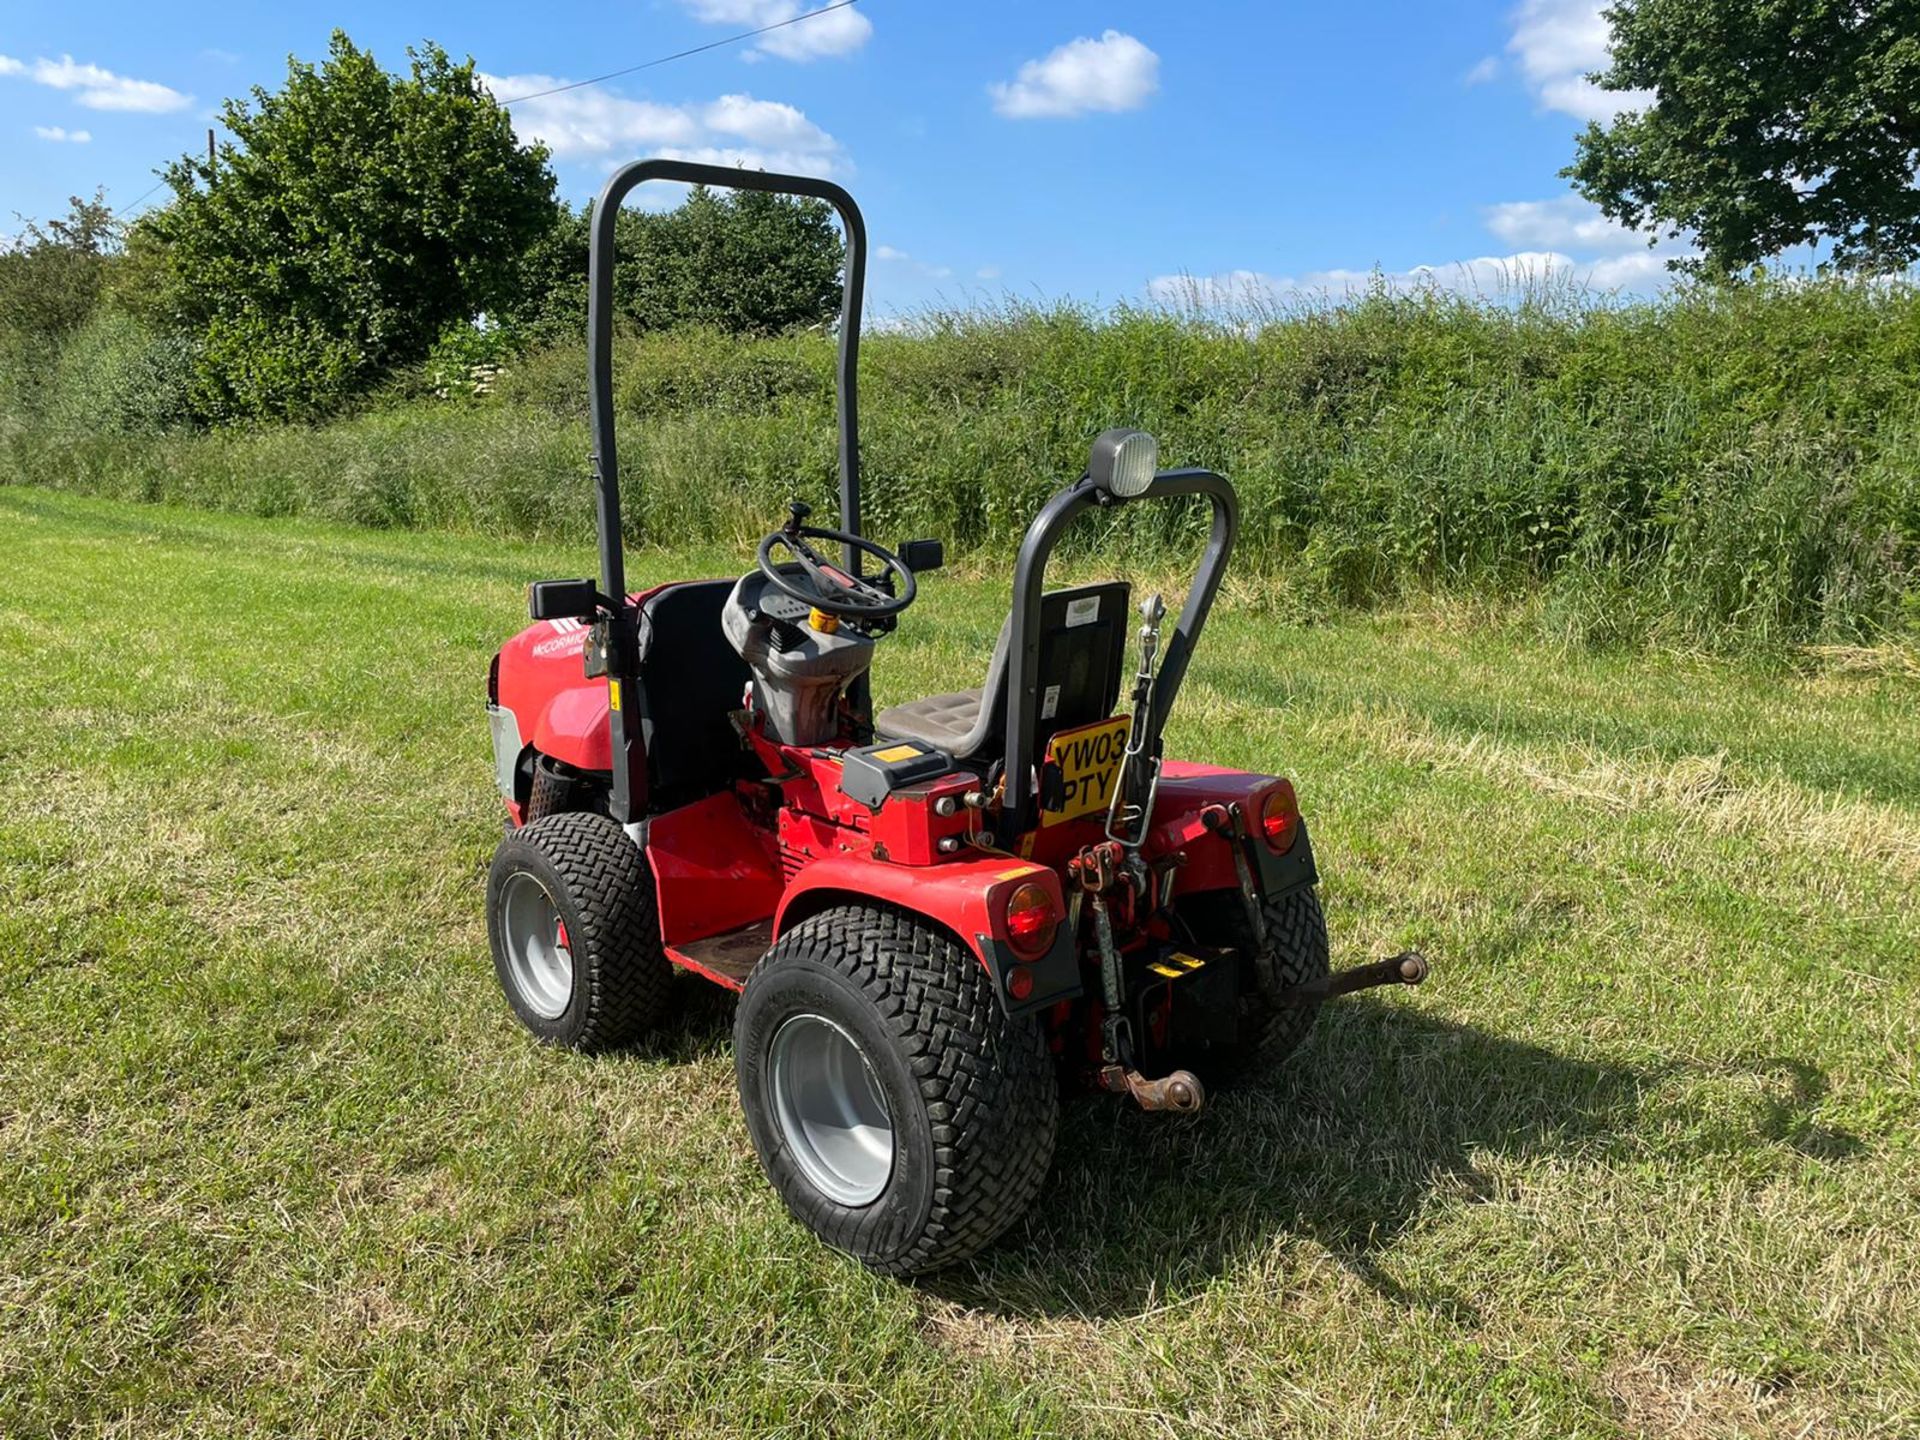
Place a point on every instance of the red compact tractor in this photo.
(936, 915)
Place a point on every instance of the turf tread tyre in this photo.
(972, 1092)
(1294, 952)
(601, 884)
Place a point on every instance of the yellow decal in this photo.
(897, 752)
(1188, 962)
(1089, 761)
(1166, 970)
(613, 694)
(1017, 871)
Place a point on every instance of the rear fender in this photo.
(966, 898)
(1186, 790)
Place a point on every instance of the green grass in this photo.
(1640, 1159)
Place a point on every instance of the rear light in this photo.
(1280, 817)
(1020, 982)
(1031, 921)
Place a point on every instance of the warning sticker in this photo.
(1083, 611)
(1050, 703)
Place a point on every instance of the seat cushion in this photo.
(942, 721)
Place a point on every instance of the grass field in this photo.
(1643, 1158)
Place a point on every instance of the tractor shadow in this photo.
(1383, 1112)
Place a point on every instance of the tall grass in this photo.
(1734, 468)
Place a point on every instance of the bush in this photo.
(1733, 468)
(740, 261)
(121, 377)
(357, 215)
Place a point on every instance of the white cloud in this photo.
(987, 272)
(836, 32)
(1115, 72)
(1485, 72)
(1556, 44)
(894, 256)
(1567, 223)
(734, 130)
(98, 89)
(58, 134)
(1488, 276)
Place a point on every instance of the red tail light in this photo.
(1280, 817)
(1032, 920)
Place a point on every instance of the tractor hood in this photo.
(557, 708)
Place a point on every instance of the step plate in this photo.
(728, 958)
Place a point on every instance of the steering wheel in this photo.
(824, 585)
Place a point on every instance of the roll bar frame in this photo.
(1019, 803)
(622, 646)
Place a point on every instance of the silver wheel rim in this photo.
(539, 954)
(831, 1114)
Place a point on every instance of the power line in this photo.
(683, 54)
(150, 189)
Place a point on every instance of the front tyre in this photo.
(576, 942)
(900, 1113)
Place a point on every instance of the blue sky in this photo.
(1106, 150)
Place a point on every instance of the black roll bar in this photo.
(1019, 804)
(600, 258)
(622, 647)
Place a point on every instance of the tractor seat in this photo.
(1083, 641)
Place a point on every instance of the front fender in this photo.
(964, 897)
(572, 728)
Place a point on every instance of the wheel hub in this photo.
(831, 1114)
(539, 952)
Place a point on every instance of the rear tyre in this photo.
(576, 942)
(900, 1113)
(1294, 952)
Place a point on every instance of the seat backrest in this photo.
(1083, 648)
(690, 680)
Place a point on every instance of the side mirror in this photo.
(922, 556)
(562, 600)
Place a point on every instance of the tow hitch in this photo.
(1408, 968)
(1181, 1091)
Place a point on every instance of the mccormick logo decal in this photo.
(568, 636)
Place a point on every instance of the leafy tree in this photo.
(742, 261)
(1774, 123)
(354, 216)
(51, 279)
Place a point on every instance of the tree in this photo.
(1774, 123)
(743, 261)
(50, 280)
(354, 215)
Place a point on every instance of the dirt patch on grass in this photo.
(1662, 1398)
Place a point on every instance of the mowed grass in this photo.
(274, 1158)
